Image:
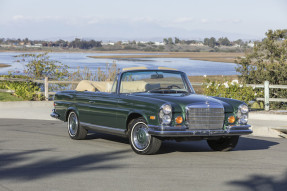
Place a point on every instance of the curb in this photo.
(264, 116)
(28, 104)
(268, 132)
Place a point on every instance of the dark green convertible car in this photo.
(149, 106)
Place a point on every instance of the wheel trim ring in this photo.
(142, 128)
(73, 124)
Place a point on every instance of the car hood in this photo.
(186, 99)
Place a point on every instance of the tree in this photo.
(83, 44)
(239, 42)
(212, 42)
(176, 40)
(267, 61)
(26, 40)
(38, 66)
(165, 41)
(206, 41)
(224, 41)
(170, 41)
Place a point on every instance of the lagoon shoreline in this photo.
(227, 57)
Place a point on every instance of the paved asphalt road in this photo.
(39, 155)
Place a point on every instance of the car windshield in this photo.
(164, 82)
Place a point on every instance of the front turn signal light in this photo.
(178, 120)
(231, 119)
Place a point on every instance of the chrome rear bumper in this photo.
(54, 114)
(183, 131)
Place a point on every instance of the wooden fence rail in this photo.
(266, 87)
(266, 98)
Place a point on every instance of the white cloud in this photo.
(235, 21)
(18, 17)
(203, 20)
(22, 18)
(183, 20)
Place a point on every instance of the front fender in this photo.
(137, 113)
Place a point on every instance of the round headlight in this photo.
(243, 108)
(166, 108)
(243, 119)
(166, 119)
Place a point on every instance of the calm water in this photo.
(74, 60)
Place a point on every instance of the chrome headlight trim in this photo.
(243, 108)
(166, 108)
(166, 119)
(243, 119)
(242, 114)
(165, 114)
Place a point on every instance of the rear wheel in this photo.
(74, 128)
(224, 143)
(141, 141)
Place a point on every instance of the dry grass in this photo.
(207, 56)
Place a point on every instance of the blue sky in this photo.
(140, 19)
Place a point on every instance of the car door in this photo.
(83, 105)
(102, 109)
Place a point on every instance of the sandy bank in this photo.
(206, 56)
(4, 65)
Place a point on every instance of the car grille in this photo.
(205, 117)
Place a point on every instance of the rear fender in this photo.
(69, 110)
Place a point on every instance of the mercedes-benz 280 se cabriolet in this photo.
(149, 106)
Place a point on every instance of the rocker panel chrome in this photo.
(104, 129)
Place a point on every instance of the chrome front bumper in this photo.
(54, 114)
(183, 131)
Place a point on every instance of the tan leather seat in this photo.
(133, 86)
(86, 85)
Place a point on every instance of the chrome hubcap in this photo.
(140, 136)
(73, 124)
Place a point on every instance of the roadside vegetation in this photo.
(266, 61)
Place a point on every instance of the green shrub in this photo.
(39, 66)
(231, 89)
(25, 90)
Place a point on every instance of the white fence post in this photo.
(266, 95)
(46, 89)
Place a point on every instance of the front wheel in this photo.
(141, 141)
(224, 143)
(74, 128)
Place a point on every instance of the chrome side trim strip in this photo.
(104, 129)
